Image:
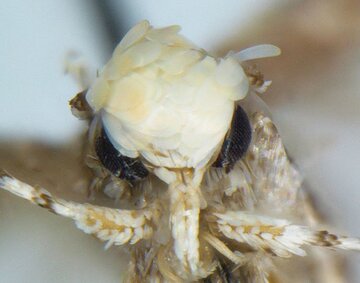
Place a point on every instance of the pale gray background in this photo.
(34, 38)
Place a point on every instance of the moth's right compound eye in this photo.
(130, 169)
(236, 142)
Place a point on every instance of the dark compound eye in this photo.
(121, 166)
(236, 142)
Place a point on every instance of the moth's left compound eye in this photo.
(130, 169)
(236, 142)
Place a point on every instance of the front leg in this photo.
(115, 226)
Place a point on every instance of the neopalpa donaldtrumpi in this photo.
(181, 130)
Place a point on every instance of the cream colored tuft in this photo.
(165, 94)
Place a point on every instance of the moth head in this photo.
(163, 101)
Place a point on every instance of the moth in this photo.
(204, 187)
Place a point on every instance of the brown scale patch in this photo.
(106, 223)
(43, 200)
(90, 221)
(256, 78)
(327, 240)
(275, 231)
(80, 107)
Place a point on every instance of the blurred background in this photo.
(314, 99)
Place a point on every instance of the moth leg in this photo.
(277, 236)
(115, 226)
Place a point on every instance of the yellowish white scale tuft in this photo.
(165, 99)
